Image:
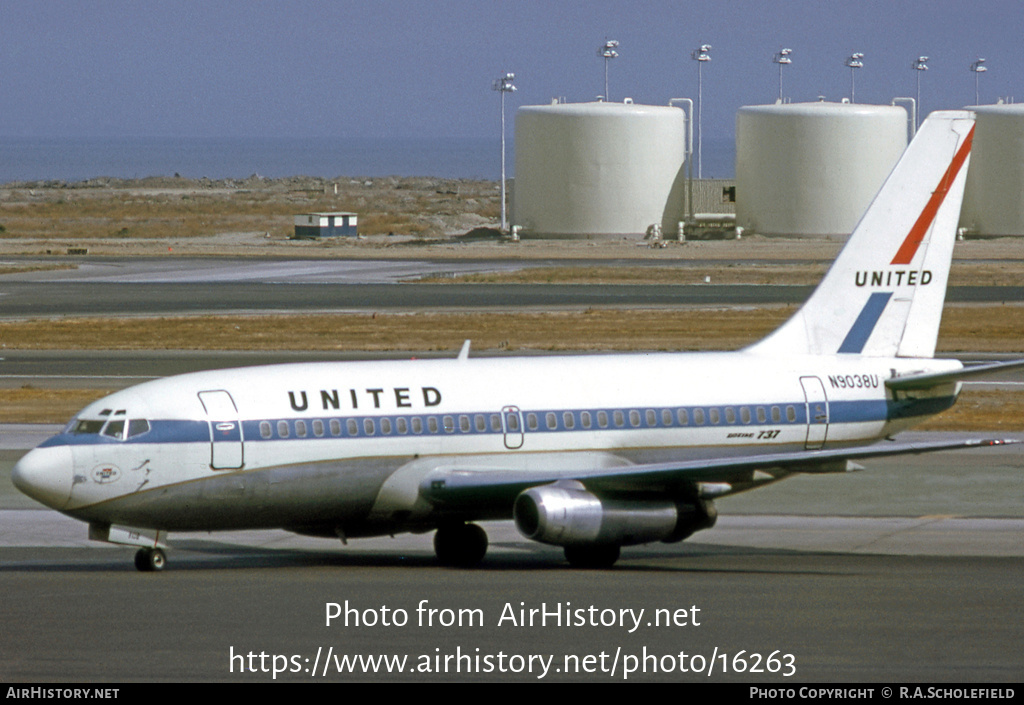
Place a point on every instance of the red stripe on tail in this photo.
(916, 236)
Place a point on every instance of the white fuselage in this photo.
(343, 448)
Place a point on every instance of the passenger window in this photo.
(666, 417)
(432, 424)
(402, 425)
(265, 429)
(282, 429)
(585, 419)
(682, 416)
(790, 414)
(335, 427)
(634, 418)
(620, 419)
(318, 428)
(417, 424)
(568, 420)
(496, 423)
(602, 419)
(652, 418)
(730, 415)
(762, 417)
(368, 427)
(776, 414)
(449, 424)
(745, 414)
(464, 424)
(551, 420)
(714, 416)
(353, 427)
(385, 426)
(481, 423)
(300, 429)
(698, 417)
(531, 421)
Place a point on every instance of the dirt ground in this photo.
(965, 328)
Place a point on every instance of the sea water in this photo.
(80, 158)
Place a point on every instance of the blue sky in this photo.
(380, 68)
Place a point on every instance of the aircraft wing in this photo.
(466, 485)
(934, 379)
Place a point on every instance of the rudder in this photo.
(883, 295)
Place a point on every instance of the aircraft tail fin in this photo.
(883, 295)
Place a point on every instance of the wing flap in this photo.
(466, 484)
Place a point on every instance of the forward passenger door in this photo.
(226, 441)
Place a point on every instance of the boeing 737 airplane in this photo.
(590, 453)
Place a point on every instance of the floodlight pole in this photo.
(921, 64)
(854, 61)
(782, 59)
(504, 85)
(978, 67)
(700, 55)
(607, 51)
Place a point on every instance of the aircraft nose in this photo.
(45, 475)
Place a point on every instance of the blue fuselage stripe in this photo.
(528, 422)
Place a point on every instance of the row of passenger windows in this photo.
(534, 421)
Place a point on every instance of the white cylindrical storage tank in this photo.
(994, 194)
(598, 169)
(812, 169)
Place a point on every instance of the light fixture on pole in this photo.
(504, 85)
(782, 59)
(700, 56)
(978, 67)
(607, 51)
(921, 64)
(854, 62)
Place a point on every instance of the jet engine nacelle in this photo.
(567, 514)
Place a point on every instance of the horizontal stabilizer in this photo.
(927, 380)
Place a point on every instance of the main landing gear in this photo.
(150, 560)
(460, 545)
(592, 556)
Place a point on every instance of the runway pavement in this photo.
(716, 608)
(909, 571)
(195, 286)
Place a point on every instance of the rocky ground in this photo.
(250, 216)
(398, 217)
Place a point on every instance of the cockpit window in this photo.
(136, 427)
(114, 429)
(88, 426)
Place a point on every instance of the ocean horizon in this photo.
(75, 159)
